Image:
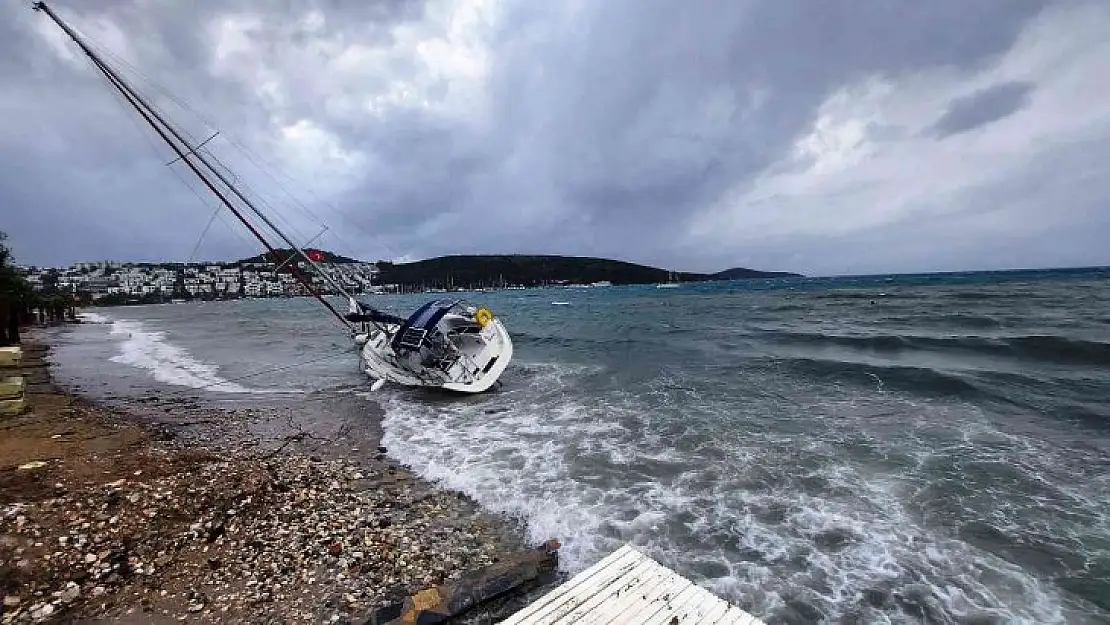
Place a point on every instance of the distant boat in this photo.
(560, 303)
(671, 283)
(602, 283)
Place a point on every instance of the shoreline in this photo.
(161, 509)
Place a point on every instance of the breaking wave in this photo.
(92, 317)
(168, 363)
(788, 528)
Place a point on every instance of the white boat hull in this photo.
(481, 359)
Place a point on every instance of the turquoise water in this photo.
(881, 449)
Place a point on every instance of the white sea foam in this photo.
(168, 363)
(92, 317)
(767, 520)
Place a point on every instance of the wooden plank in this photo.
(641, 598)
(736, 616)
(629, 587)
(673, 606)
(717, 613)
(622, 588)
(609, 581)
(572, 593)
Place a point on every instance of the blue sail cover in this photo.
(428, 315)
(425, 318)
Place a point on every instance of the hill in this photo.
(740, 273)
(494, 270)
(320, 256)
(490, 270)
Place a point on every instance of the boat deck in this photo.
(629, 587)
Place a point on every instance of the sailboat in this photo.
(671, 282)
(449, 344)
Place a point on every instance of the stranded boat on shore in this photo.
(447, 344)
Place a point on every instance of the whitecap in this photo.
(92, 317)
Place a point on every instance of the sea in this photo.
(881, 449)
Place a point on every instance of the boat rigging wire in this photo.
(200, 239)
(257, 160)
(150, 115)
(184, 181)
(228, 176)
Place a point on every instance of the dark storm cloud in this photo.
(610, 117)
(82, 178)
(437, 127)
(981, 108)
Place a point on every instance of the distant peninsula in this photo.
(486, 270)
(492, 271)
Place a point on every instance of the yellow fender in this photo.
(483, 316)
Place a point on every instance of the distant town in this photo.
(114, 283)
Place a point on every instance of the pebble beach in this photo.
(114, 516)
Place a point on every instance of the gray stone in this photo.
(71, 592)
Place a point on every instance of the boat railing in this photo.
(413, 338)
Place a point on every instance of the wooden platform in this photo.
(629, 587)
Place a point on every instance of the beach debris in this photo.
(71, 592)
(34, 464)
(285, 538)
(440, 603)
(147, 531)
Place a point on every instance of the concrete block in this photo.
(11, 356)
(12, 407)
(12, 387)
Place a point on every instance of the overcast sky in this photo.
(825, 137)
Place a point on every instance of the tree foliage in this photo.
(12, 285)
(18, 299)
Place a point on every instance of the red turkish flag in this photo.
(315, 256)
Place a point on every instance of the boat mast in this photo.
(150, 115)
